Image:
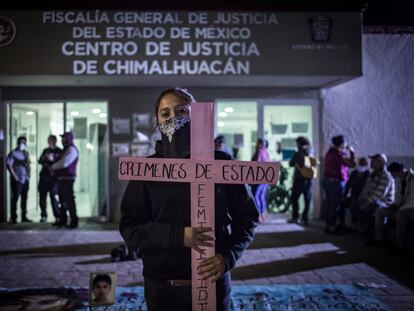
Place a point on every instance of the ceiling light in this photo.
(222, 114)
(103, 115)
(96, 110)
(229, 109)
(30, 113)
(220, 124)
(74, 113)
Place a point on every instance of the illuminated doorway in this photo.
(89, 122)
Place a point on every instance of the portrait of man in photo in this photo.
(102, 288)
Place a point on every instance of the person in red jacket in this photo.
(336, 174)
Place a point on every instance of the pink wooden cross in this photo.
(202, 171)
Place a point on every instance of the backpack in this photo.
(309, 169)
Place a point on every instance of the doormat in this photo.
(244, 297)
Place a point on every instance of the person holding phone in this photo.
(336, 174)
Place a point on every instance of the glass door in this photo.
(283, 121)
(88, 122)
(279, 121)
(237, 122)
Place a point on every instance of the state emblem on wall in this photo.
(7, 31)
(321, 26)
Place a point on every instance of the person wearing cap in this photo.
(18, 165)
(379, 191)
(219, 144)
(336, 174)
(65, 171)
(402, 210)
(47, 182)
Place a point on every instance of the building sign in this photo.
(138, 45)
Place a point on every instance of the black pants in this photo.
(46, 186)
(160, 297)
(67, 201)
(18, 190)
(301, 186)
(353, 205)
(334, 191)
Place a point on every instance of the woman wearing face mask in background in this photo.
(155, 217)
(18, 165)
(353, 190)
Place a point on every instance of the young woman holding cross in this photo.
(155, 217)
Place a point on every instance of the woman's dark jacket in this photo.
(154, 214)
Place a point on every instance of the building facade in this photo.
(272, 75)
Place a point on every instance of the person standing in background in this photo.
(259, 191)
(336, 175)
(65, 171)
(18, 165)
(47, 182)
(220, 145)
(301, 184)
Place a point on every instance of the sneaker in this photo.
(43, 219)
(72, 226)
(304, 222)
(61, 224)
(13, 221)
(25, 219)
(293, 221)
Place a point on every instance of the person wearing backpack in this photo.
(305, 171)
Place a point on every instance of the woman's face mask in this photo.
(362, 169)
(175, 133)
(22, 146)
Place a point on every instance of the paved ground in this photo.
(35, 255)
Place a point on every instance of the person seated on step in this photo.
(379, 192)
(401, 212)
(353, 190)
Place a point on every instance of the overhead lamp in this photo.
(96, 110)
(74, 113)
(222, 114)
(220, 124)
(30, 113)
(229, 109)
(103, 115)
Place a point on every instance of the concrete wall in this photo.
(376, 111)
